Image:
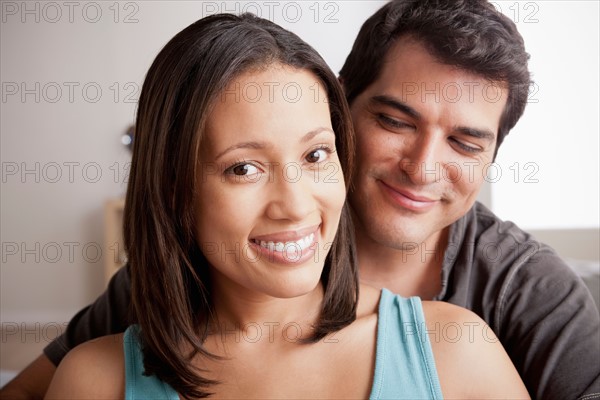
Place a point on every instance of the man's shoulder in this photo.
(485, 222)
(496, 242)
(536, 304)
(496, 258)
(513, 268)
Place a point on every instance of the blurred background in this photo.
(71, 74)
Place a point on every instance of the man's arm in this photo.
(32, 382)
(109, 314)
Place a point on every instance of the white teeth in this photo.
(300, 244)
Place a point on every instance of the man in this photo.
(434, 87)
(431, 104)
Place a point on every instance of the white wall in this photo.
(79, 132)
(549, 162)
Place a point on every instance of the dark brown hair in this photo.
(469, 34)
(171, 296)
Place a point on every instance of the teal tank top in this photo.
(404, 364)
(137, 385)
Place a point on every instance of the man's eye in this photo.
(391, 122)
(318, 155)
(465, 147)
(242, 170)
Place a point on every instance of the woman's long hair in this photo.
(171, 296)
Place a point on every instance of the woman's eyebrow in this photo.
(311, 134)
(262, 145)
(244, 145)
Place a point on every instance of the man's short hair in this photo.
(469, 34)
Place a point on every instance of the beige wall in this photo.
(61, 153)
(576, 244)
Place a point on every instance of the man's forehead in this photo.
(411, 59)
(413, 76)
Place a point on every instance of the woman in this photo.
(244, 281)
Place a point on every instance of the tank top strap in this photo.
(137, 385)
(404, 364)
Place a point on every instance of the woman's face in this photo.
(271, 187)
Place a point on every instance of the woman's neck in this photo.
(239, 311)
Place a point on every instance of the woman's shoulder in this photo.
(470, 359)
(92, 370)
(441, 311)
(457, 329)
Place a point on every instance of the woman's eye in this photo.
(316, 156)
(242, 170)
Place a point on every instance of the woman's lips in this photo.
(302, 243)
(407, 199)
(290, 247)
(287, 236)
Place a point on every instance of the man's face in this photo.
(426, 133)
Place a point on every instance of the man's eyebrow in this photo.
(406, 109)
(396, 104)
(262, 145)
(476, 133)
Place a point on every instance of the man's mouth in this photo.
(409, 200)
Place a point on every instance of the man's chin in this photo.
(397, 237)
